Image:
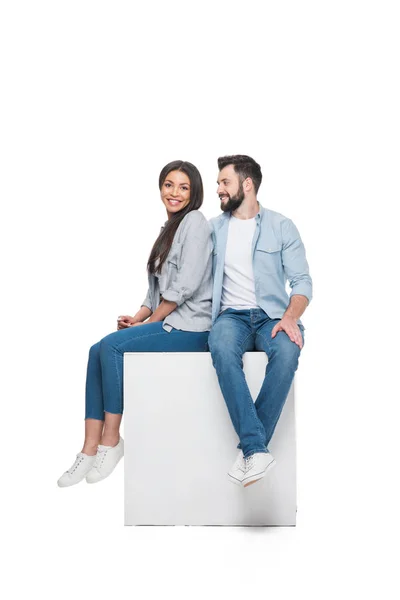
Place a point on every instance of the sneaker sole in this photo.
(255, 478)
(234, 480)
(64, 485)
(69, 483)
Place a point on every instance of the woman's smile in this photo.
(175, 192)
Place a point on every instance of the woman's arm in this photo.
(196, 251)
(142, 314)
(163, 310)
(196, 254)
(125, 321)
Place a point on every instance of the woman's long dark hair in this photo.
(163, 243)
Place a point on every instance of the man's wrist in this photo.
(289, 316)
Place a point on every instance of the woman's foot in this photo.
(81, 467)
(107, 458)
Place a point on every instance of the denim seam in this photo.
(119, 382)
(97, 418)
(249, 398)
(263, 450)
(244, 342)
(264, 337)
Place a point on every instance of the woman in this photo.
(174, 317)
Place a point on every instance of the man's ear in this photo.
(248, 184)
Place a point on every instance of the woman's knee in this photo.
(110, 343)
(94, 350)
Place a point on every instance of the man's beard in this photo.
(234, 201)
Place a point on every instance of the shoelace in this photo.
(240, 464)
(76, 464)
(249, 462)
(100, 456)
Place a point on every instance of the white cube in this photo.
(180, 443)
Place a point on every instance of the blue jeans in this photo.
(234, 333)
(104, 382)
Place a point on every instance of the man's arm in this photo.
(297, 306)
(288, 323)
(296, 269)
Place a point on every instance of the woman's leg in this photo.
(110, 434)
(94, 386)
(94, 413)
(94, 421)
(104, 387)
(93, 434)
(143, 338)
(149, 337)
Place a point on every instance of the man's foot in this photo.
(78, 471)
(256, 466)
(236, 473)
(107, 458)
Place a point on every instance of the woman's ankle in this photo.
(109, 439)
(90, 448)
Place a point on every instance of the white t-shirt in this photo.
(238, 289)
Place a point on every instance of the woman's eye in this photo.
(185, 189)
(167, 184)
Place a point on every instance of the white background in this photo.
(96, 97)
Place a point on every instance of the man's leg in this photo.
(229, 339)
(283, 355)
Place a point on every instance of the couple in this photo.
(218, 288)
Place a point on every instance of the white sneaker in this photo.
(107, 458)
(236, 473)
(78, 471)
(256, 466)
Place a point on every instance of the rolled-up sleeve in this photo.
(147, 302)
(294, 261)
(195, 258)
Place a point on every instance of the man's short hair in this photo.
(244, 166)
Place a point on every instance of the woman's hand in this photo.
(126, 321)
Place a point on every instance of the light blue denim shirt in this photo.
(278, 256)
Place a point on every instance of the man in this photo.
(255, 251)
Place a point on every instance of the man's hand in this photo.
(126, 321)
(290, 327)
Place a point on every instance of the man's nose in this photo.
(219, 189)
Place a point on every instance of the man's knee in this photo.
(286, 352)
(223, 346)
